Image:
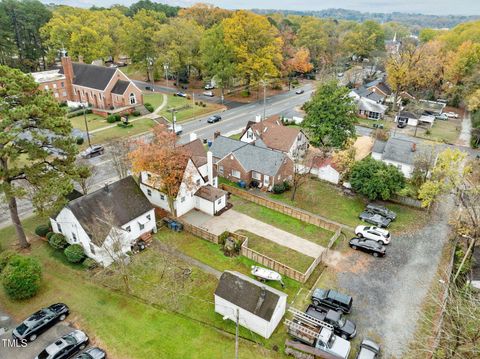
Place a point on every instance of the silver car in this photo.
(368, 350)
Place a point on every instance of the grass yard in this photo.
(329, 201)
(187, 113)
(154, 98)
(445, 131)
(124, 326)
(93, 122)
(387, 124)
(236, 136)
(139, 126)
(289, 224)
(285, 255)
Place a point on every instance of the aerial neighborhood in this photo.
(227, 181)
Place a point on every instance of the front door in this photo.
(266, 180)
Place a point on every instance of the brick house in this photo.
(106, 89)
(275, 135)
(236, 160)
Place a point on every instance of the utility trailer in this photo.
(313, 338)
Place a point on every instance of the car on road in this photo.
(368, 245)
(93, 151)
(381, 210)
(40, 321)
(92, 353)
(149, 88)
(374, 233)
(368, 350)
(442, 116)
(180, 94)
(328, 298)
(178, 129)
(214, 118)
(341, 326)
(375, 219)
(208, 93)
(65, 346)
(299, 91)
(209, 87)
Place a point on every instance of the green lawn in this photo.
(155, 99)
(369, 123)
(289, 224)
(329, 201)
(445, 131)
(139, 126)
(236, 136)
(187, 113)
(284, 255)
(124, 326)
(93, 122)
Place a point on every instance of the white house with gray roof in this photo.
(107, 222)
(240, 161)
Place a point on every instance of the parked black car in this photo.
(368, 350)
(375, 219)
(381, 210)
(65, 346)
(328, 298)
(342, 327)
(368, 245)
(40, 321)
(92, 353)
(214, 118)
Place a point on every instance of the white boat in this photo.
(264, 274)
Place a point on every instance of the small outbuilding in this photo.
(260, 308)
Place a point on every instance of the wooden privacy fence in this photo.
(294, 212)
(199, 232)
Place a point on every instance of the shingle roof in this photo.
(364, 92)
(365, 104)
(92, 76)
(222, 146)
(276, 136)
(210, 193)
(408, 114)
(248, 294)
(379, 146)
(399, 150)
(120, 87)
(119, 203)
(196, 151)
(381, 85)
(258, 159)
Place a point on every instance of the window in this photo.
(182, 199)
(64, 93)
(56, 95)
(46, 87)
(149, 217)
(198, 182)
(92, 248)
(141, 226)
(220, 170)
(236, 173)
(256, 176)
(74, 237)
(266, 180)
(149, 175)
(149, 192)
(219, 202)
(54, 86)
(59, 227)
(249, 133)
(162, 197)
(62, 84)
(132, 98)
(128, 229)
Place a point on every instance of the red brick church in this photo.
(105, 89)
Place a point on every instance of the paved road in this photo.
(232, 120)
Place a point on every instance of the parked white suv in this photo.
(374, 233)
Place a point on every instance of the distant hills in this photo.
(413, 20)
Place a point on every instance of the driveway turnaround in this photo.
(232, 221)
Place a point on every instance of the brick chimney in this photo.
(216, 134)
(69, 76)
(414, 147)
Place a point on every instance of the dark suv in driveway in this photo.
(381, 210)
(40, 321)
(328, 298)
(341, 326)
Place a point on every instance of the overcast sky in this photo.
(434, 7)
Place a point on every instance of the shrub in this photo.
(222, 237)
(245, 93)
(21, 277)
(136, 113)
(148, 106)
(90, 263)
(278, 188)
(74, 253)
(57, 241)
(49, 235)
(5, 257)
(111, 119)
(117, 117)
(42, 230)
(80, 140)
(286, 185)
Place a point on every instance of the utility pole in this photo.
(165, 67)
(86, 124)
(193, 103)
(264, 99)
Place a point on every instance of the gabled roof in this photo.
(381, 85)
(117, 203)
(408, 114)
(92, 76)
(365, 104)
(196, 151)
(399, 150)
(120, 87)
(364, 92)
(210, 193)
(222, 146)
(248, 294)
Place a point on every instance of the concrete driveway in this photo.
(232, 221)
(31, 350)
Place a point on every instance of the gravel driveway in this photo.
(389, 291)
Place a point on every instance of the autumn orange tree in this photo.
(165, 161)
(300, 62)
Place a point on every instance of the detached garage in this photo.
(260, 308)
(210, 199)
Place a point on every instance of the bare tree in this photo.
(423, 165)
(118, 154)
(85, 175)
(302, 168)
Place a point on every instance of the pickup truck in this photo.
(341, 326)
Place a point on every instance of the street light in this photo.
(264, 95)
(86, 124)
(236, 319)
(165, 67)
